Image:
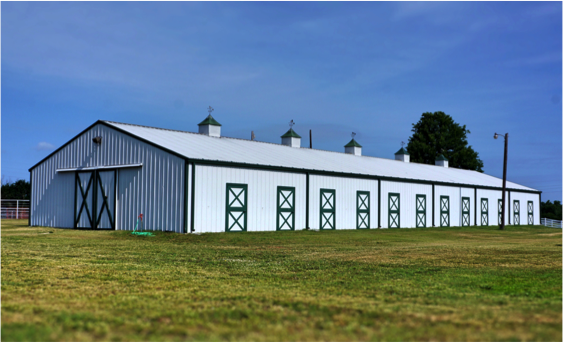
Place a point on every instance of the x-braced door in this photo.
(94, 195)
(499, 211)
(530, 212)
(236, 214)
(105, 199)
(394, 215)
(444, 211)
(285, 218)
(420, 211)
(516, 207)
(328, 209)
(362, 210)
(484, 211)
(465, 216)
(83, 200)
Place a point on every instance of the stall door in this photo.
(237, 197)
(105, 199)
(516, 208)
(530, 212)
(286, 208)
(484, 212)
(394, 215)
(420, 211)
(465, 218)
(328, 209)
(362, 210)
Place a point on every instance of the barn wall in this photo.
(407, 200)
(155, 189)
(524, 198)
(493, 196)
(210, 200)
(346, 192)
(454, 194)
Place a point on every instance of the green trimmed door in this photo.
(362, 210)
(104, 199)
(328, 209)
(285, 217)
(499, 211)
(465, 216)
(84, 200)
(394, 215)
(530, 212)
(420, 211)
(444, 211)
(484, 211)
(236, 213)
(516, 209)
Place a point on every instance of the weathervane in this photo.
(353, 135)
(210, 109)
(291, 123)
(402, 144)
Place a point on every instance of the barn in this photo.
(185, 182)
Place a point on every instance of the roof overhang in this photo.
(105, 167)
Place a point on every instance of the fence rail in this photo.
(14, 209)
(551, 223)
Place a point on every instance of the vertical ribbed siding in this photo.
(454, 194)
(156, 189)
(468, 192)
(524, 198)
(210, 192)
(493, 196)
(345, 192)
(407, 201)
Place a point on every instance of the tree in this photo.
(437, 133)
(20, 189)
(551, 210)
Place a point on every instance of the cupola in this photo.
(290, 138)
(210, 126)
(403, 155)
(442, 161)
(353, 148)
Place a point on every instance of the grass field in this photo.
(441, 284)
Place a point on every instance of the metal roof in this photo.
(224, 149)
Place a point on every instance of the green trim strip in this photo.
(362, 210)
(327, 219)
(465, 209)
(484, 211)
(444, 211)
(420, 211)
(285, 205)
(394, 214)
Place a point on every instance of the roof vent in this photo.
(403, 155)
(210, 126)
(442, 161)
(353, 147)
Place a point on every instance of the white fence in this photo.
(14, 209)
(551, 223)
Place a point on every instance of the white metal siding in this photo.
(210, 201)
(454, 194)
(524, 198)
(345, 192)
(468, 192)
(155, 189)
(493, 196)
(407, 200)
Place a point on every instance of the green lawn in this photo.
(442, 284)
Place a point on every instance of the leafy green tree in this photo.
(20, 189)
(551, 210)
(437, 133)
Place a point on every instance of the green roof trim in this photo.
(209, 121)
(353, 143)
(441, 157)
(291, 134)
(402, 151)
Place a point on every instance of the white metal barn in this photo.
(202, 182)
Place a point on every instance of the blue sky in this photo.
(333, 67)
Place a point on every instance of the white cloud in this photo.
(44, 146)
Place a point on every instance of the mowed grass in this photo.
(441, 284)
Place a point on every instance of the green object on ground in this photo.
(135, 232)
